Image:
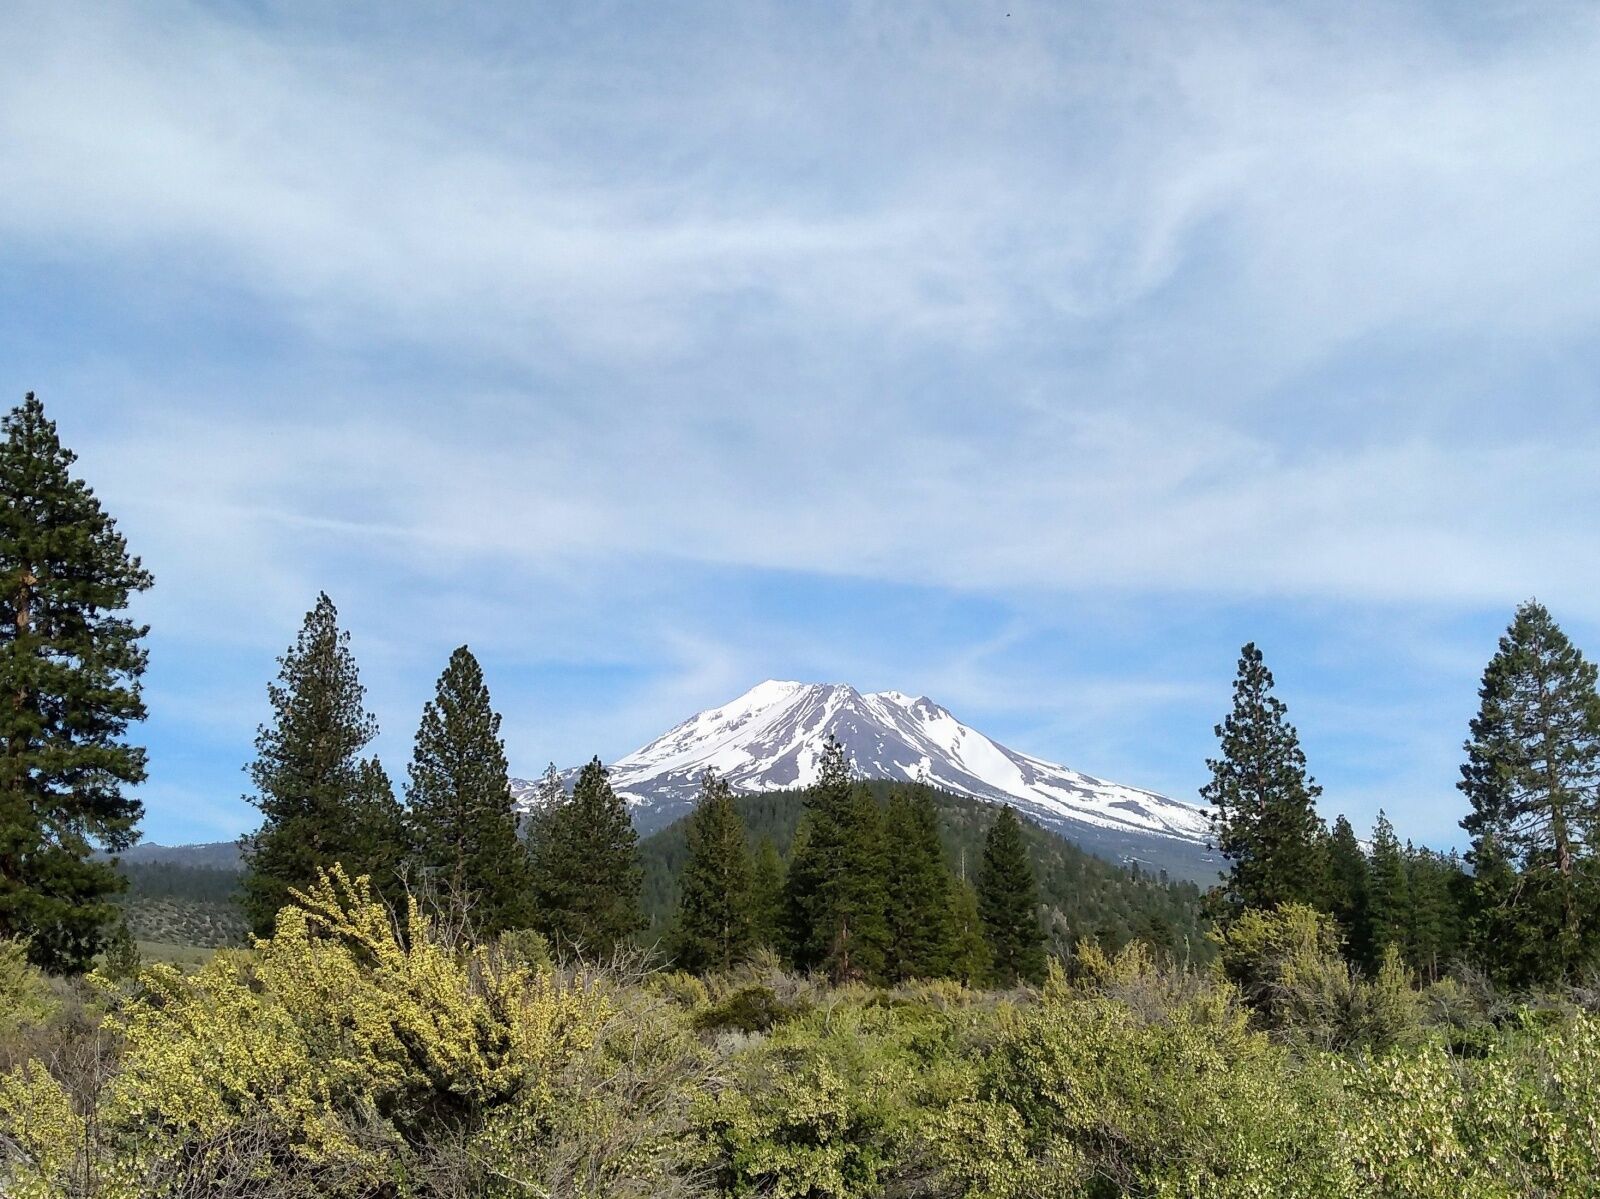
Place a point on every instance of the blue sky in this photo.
(1031, 357)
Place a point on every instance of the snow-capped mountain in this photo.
(771, 739)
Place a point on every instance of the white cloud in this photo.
(1227, 302)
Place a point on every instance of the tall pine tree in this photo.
(922, 934)
(714, 928)
(1349, 891)
(320, 802)
(70, 664)
(462, 820)
(1389, 892)
(1263, 814)
(800, 882)
(1532, 776)
(835, 894)
(586, 872)
(1008, 902)
(1432, 935)
(1506, 925)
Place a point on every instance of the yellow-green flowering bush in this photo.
(1521, 1120)
(1287, 964)
(40, 1134)
(341, 1059)
(339, 1055)
(24, 993)
(1084, 1097)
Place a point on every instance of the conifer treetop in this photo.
(1263, 814)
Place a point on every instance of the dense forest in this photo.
(857, 990)
(1081, 895)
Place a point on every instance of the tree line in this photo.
(1522, 905)
(867, 892)
(456, 842)
(1081, 895)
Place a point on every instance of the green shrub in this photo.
(1287, 964)
(828, 1107)
(523, 948)
(753, 1008)
(121, 960)
(1082, 1097)
(25, 996)
(681, 988)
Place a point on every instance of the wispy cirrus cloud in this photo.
(510, 327)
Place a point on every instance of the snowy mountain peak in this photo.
(771, 739)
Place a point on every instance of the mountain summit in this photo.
(771, 738)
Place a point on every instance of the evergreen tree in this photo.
(1008, 902)
(801, 882)
(836, 896)
(312, 786)
(1533, 778)
(1349, 890)
(69, 666)
(462, 821)
(1264, 817)
(1503, 922)
(1389, 903)
(1431, 935)
(971, 960)
(586, 872)
(766, 896)
(379, 841)
(714, 928)
(921, 942)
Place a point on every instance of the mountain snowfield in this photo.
(771, 739)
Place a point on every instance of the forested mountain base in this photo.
(1083, 894)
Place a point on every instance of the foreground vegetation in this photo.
(346, 1057)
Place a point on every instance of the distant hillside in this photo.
(1086, 894)
(214, 855)
(176, 903)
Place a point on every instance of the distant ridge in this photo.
(215, 855)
